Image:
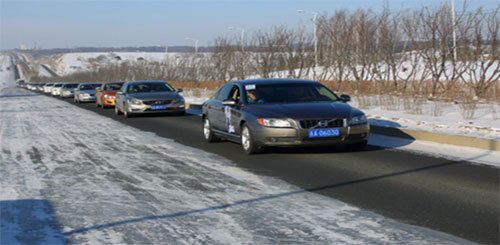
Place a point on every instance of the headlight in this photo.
(178, 101)
(107, 96)
(134, 101)
(356, 120)
(85, 95)
(277, 123)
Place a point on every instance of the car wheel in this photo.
(126, 114)
(247, 142)
(358, 146)
(117, 111)
(208, 134)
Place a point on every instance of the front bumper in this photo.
(108, 102)
(267, 136)
(143, 109)
(86, 98)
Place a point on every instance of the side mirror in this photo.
(179, 90)
(345, 97)
(229, 102)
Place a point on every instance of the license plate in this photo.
(324, 132)
(158, 107)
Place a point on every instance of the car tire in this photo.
(358, 146)
(208, 134)
(247, 142)
(126, 114)
(117, 111)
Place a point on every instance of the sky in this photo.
(119, 23)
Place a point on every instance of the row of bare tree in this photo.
(395, 51)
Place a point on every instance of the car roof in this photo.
(272, 81)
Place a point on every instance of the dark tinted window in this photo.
(149, 87)
(291, 93)
(113, 86)
(90, 86)
(223, 92)
(70, 85)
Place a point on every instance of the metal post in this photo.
(454, 32)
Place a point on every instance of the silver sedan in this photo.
(142, 97)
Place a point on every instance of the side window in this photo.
(223, 92)
(235, 93)
(124, 88)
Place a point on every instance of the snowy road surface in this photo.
(70, 175)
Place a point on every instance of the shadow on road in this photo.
(29, 221)
(258, 199)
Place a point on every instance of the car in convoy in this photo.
(85, 92)
(282, 112)
(39, 87)
(68, 90)
(47, 87)
(56, 90)
(20, 83)
(141, 97)
(105, 95)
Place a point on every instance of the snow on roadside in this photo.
(68, 173)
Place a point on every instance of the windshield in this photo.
(71, 85)
(149, 87)
(113, 86)
(89, 86)
(58, 85)
(288, 93)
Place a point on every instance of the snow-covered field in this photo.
(70, 175)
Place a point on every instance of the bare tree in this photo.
(480, 52)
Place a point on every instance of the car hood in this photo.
(155, 96)
(312, 110)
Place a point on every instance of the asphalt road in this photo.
(455, 197)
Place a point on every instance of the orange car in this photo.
(105, 95)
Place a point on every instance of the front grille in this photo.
(332, 123)
(157, 102)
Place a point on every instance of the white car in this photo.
(56, 90)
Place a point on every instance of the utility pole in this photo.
(315, 17)
(454, 32)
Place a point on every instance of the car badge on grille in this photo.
(323, 123)
(158, 102)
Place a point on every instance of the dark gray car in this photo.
(282, 112)
(141, 97)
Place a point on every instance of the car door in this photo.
(233, 114)
(216, 108)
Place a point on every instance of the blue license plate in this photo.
(158, 107)
(324, 132)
